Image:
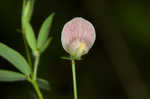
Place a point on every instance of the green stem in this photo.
(74, 79)
(34, 83)
(27, 50)
(33, 80)
(34, 74)
(24, 38)
(37, 58)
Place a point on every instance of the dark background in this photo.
(118, 65)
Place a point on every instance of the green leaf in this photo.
(14, 58)
(27, 9)
(30, 36)
(46, 45)
(23, 6)
(44, 30)
(66, 58)
(43, 84)
(9, 76)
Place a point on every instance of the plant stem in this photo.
(24, 39)
(34, 83)
(74, 79)
(33, 80)
(27, 51)
(37, 57)
(33, 76)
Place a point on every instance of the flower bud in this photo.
(78, 36)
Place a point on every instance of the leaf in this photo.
(46, 44)
(44, 30)
(66, 58)
(27, 9)
(14, 58)
(29, 34)
(43, 84)
(9, 76)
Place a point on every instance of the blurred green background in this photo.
(118, 65)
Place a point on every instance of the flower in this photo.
(78, 36)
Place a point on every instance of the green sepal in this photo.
(66, 58)
(70, 58)
(74, 55)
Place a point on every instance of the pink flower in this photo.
(78, 36)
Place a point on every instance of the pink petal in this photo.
(78, 29)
